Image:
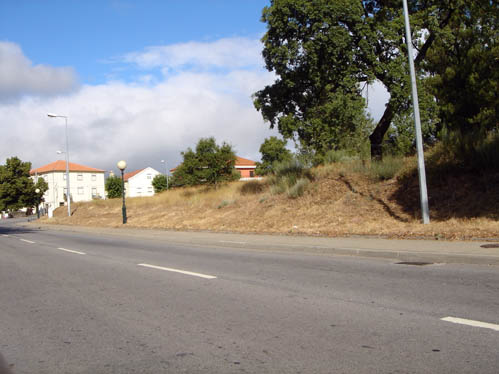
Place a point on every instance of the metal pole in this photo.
(123, 193)
(68, 194)
(417, 122)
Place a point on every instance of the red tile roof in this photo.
(60, 165)
(244, 162)
(131, 174)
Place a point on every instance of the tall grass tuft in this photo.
(290, 176)
(386, 169)
(298, 188)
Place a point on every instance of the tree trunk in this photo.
(376, 138)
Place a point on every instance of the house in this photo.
(86, 183)
(244, 166)
(139, 182)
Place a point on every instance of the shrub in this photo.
(298, 188)
(251, 188)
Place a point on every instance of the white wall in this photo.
(84, 186)
(141, 184)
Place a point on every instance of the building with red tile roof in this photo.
(86, 183)
(139, 182)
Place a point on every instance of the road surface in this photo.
(93, 303)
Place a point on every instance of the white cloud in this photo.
(19, 77)
(227, 53)
(141, 124)
(150, 119)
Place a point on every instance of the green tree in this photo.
(465, 77)
(114, 187)
(273, 150)
(325, 51)
(208, 164)
(17, 189)
(159, 183)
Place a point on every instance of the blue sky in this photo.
(88, 35)
(138, 80)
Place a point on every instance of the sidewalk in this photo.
(433, 251)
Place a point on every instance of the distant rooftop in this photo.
(60, 165)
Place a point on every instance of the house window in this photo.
(80, 177)
(252, 173)
(64, 176)
(94, 177)
(149, 176)
(94, 191)
(149, 189)
(139, 190)
(80, 190)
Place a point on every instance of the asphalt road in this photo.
(87, 303)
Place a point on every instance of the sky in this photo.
(137, 80)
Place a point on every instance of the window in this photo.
(252, 173)
(80, 190)
(80, 177)
(64, 176)
(149, 189)
(94, 191)
(149, 176)
(94, 177)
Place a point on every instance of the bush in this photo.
(251, 188)
(290, 176)
(298, 188)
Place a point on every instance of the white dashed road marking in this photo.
(27, 241)
(178, 271)
(228, 241)
(5, 235)
(72, 251)
(471, 322)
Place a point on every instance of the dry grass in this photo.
(340, 202)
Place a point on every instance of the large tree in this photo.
(208, 164)
(17, 189)
(464, 64)
(324, 51)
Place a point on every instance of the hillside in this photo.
(342, 200)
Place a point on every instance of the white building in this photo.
(139, 182)
(86, 183)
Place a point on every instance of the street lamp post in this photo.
(166, 173)
(423, 194)
(122, 166)
(68, 193)
(37, 191)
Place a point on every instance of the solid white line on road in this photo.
(72, 251)
(470, 322)
(228, 241)
(27, 241)
(179, 271)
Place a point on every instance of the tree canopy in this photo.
(273, 150)
(208, 164)
(324, 52)
(114, 187)
(159, 183)
(17, 189)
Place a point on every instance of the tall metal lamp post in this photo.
(166, 172)
(423, 194)
(122, 166)
(68, 193)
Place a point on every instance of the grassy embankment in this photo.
(339, 199)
